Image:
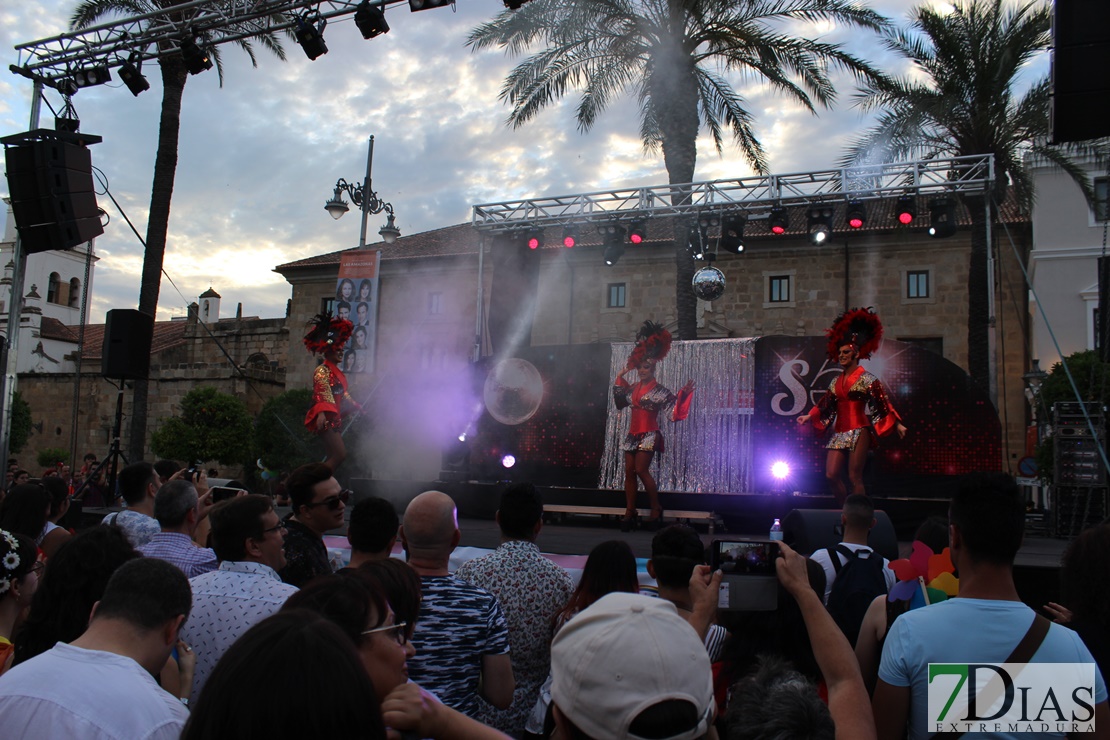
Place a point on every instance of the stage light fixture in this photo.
(942, 218)
(91, 76)
(856, 215)
(637, 232)
(612, 235)
(732, 234)
(778, 221)
(906, 209)
(415, 5)
(462, 437)
(309, 32)
(570, 236)
(613, 253)
(370, 20)
(780, 469)
(507, 461)
(131, 74)
(196, 59)
(514, 4)
(819, 224)
(535, 238)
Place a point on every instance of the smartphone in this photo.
(745, 557)
(222, 493)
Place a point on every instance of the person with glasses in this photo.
(20, 568)
(355, 601)
(318, 503)
(247, 536)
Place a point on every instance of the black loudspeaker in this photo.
(1080, 91)
(810, 530)
(127, 338)
(52, 194)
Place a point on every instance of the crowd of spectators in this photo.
(180, 618)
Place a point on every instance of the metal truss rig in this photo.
(159, 33)
(753, 197)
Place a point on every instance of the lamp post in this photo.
(363, 196)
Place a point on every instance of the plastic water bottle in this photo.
(776, 531)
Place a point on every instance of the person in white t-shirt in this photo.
(858, 518)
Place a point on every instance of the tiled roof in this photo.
(54, 329)
(463, 239)
(167, 334)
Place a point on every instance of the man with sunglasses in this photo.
(318, 503)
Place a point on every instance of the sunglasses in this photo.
(397, 632)
(334, 502)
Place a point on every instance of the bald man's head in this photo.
(430, 527)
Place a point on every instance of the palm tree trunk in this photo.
(675, 97)
(978, 305)
(165, 169)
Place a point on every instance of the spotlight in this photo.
(819, 224)
(514, 4)
(612, 235)
(570, 236)
(942, 218)
(732, 234)
(90, 76)
(131, 74)
(196, 59)
(462, 437)
(309, 32)
(906, 209)
(610, 231)
(637, 232)
(613, 253)
(507, 461)
(370, 20)
(415, 5)
(778, 220)
(856, 214)
(780, 469)
(535, 238)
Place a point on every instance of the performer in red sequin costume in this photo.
(856, 404)
(327, 336)
(647, 397)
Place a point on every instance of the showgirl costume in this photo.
(329, 384)
(647, 399)
(855, 401)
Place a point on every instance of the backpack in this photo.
(858, 581)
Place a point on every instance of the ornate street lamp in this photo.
(363, 196)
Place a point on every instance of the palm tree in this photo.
(961, 101)
(174, 76)
(674, 55)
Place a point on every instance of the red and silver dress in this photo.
(329, 387)
(854, 402)
(647, 400)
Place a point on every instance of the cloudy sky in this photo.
(259, 157)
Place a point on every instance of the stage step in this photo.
(708, 517)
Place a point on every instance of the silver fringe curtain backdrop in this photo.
(711, 451)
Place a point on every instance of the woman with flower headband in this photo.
(19, 577)
(856, 404)
(647, 397)
(326, 337)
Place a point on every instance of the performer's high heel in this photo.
(655, 521)
(630, 521)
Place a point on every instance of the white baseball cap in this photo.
(624, 654)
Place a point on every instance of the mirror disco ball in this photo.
(709, 283)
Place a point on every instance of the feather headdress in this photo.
(653, 342)
(859, 327)
(327, 331)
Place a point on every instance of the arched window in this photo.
(52, 286)
(74, 293)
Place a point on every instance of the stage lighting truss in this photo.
(819, 224)
(778, 221)
(309, 32)
(942, 218)
(856, 215)
(196, 59)
(131, 72)
(906, 209)
(732, 234)
(370, 20)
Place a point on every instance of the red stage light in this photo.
(778, 229)
(856, 222)
(636, 238)
(907, 210)
(568, 241)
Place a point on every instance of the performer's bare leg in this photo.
(629, 485)
(835, 463)
(334, 449)
(643, 471)
(857, 458)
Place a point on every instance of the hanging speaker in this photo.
(127, 338)
(1080, 91)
